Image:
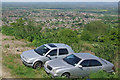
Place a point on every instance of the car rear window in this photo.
(103, 60)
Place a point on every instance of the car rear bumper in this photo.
(110, 71)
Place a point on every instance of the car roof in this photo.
(53, 45)
(86, 56)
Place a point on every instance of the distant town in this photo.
(51, 17)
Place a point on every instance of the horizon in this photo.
(60, 1)
(69, 2)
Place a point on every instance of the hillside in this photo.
(14, 45)
(86, 27)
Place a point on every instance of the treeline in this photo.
(102, 39)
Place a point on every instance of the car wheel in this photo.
(67, 75)
(37, 65)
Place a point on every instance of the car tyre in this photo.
(37, 65)
(67, 75)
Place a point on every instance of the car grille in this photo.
(50, 68)
(24, 58)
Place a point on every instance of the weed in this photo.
(6, 39)
(7, 46)
(13, 39)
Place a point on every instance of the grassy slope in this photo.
(12, 61)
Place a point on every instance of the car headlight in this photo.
(46, 63)
(54, 70)
(30, 60)
(25, 58)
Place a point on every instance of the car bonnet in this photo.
(30, 54)
(58, 63)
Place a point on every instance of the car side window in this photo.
(53, 52)
(85, 63)
(94, 63)
(63, 51)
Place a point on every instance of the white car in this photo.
(77, 65)
(37, 57)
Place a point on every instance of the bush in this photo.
(67, 36)
(103, 74)
(86, 36)
(7, 30)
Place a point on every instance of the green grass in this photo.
(6, 39)
(12, 61)
(103, 74)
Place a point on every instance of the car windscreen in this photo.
(42, 50)
(72, 59)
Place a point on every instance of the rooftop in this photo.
(52, 45)
(85, 56)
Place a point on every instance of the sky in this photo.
(60, 0)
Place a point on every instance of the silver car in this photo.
(37, 57)
(77, 65)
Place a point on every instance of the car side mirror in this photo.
(80, 66)
(48, 55)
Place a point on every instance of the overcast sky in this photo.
(60, 0)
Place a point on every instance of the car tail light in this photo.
(113, 68)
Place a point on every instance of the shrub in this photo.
(86, 36)
(103, 74)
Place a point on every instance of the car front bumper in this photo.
(51, 72)
(26, 63)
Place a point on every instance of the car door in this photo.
(62, 52)
(52, 54)
(82, 71)
(88, 66)
(94, 65)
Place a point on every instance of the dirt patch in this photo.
(13, 46)
(10, 45)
